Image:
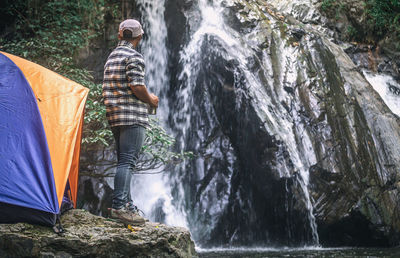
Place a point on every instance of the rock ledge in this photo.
(88, 235)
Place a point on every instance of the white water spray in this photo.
(152, 193)
(149, 191)
(388, 89)
(279, 122)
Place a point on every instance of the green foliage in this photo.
(333, 8)
(385, 15)
(339, 10)
(51, 33)
(383, 19)
(155, 155)
(156, 149)
(327, 4)
(352, 32)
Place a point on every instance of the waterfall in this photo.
(388, 89)
(152, 193)
(201, 223)
(278, 121)
(166, 198)
(154, 52)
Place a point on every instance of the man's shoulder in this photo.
(127, 51)
(123, 54)
(135, 55)
(135, 58)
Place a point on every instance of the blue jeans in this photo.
(129, 140)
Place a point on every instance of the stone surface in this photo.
(344, 136)
(344, 21)
(88, 235)
(359, 183)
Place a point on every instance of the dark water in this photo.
(299, 252)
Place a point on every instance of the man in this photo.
(127, 103)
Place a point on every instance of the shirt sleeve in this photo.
(135, 70)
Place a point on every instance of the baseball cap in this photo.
(132, 25)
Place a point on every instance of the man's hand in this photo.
(153, 100)
(141, 93)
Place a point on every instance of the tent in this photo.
(41, 118)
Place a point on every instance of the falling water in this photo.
(279, 122)
(154, 51)
(152, 193)
(388, 89)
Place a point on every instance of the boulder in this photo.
(87, 235)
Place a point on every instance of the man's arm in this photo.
(141, 93)
(135, 74)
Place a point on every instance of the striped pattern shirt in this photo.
(124, 68)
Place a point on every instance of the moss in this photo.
(352, 32)
(327, 4)
(275, 59)
(381, 19)
(283, 29)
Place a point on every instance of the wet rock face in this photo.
(346, 17)
(92, 236)
(375, 58)
(344, 21)
(359, 188)
(255, 184)
(233, 189)
(354, 138)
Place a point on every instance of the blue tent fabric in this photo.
(13, 214)
(26, 176)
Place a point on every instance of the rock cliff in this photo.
(277, 106)
(355, 179)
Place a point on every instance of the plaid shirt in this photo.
(124, 68)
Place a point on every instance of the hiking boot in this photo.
(127, 216)
(133, 208)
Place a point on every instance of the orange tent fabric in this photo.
(61, 104)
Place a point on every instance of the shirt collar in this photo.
(124, 43)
